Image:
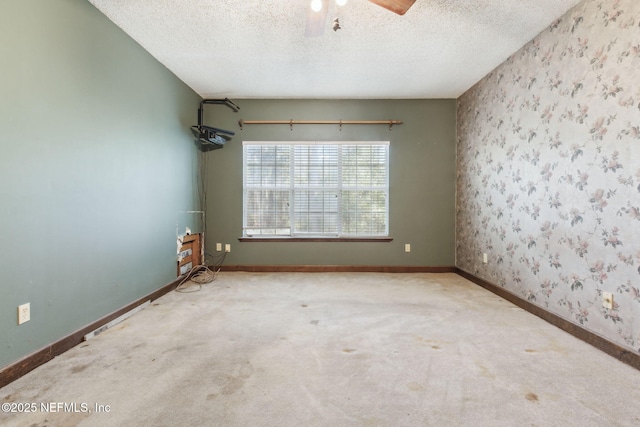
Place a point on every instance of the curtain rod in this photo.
(319, 122)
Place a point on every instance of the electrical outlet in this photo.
(219, 247)
(407, 247)
(24, 313)
(485, 258)
(227, 247)
(607, 300)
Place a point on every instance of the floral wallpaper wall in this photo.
(549, 171)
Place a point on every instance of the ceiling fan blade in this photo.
(316, 21)
(397, 6)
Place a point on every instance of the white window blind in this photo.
(316, 189)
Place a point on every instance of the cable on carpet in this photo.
(201, 275)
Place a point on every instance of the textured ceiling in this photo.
(258, 48)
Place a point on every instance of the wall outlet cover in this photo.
(607, 300)
(24, 313)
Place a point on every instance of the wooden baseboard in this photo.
(611, 348)
(14, 371)
(337, 269)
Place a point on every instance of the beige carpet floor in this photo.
(334, 349)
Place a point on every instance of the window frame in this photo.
(339, 235)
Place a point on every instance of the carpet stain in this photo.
(415, 386)
(304, 305)
(233, 385)
(212, 396)
(66, 419)
(349, 350)
(434, 343)
(74, 418)
(78, 369)
(532, 397)
(9, 398)
(315, 322)
(528, 350)
(236, 382)
(247, 370)
(557, 347)
(177, 349)
(486, 372)
(435, 347)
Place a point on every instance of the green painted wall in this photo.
(422, 179)
(96, 161)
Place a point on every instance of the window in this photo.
(316, 189)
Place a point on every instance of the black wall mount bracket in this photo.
(208, 137)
